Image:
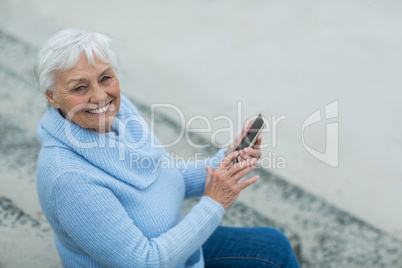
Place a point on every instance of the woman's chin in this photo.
(101, 128)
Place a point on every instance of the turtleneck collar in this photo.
(113, 152)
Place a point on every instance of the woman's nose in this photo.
(99, 95)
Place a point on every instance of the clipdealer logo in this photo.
(331, 154)
(125, 141)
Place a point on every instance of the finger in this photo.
(210, 170)
(255, 153)
(240, 137)
(239, 175)
(228, 159)
(243, 133)
(230, 165)
(246, 128)
(247, 182)
(241, 165)
(242, 155)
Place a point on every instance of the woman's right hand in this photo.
(223, 184)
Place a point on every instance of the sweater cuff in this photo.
(189, 235)
(214, 206)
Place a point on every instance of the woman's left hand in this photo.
(246, 153)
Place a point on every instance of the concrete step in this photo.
(25, 241)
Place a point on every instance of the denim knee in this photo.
(278, 245)
(249, 247)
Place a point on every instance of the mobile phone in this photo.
(252, 135)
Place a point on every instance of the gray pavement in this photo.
(321, 234)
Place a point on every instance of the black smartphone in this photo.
(252, 135)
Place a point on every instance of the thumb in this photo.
(209, 172)
(247, 126)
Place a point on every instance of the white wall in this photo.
(276, 58)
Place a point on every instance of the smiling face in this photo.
(87, 95)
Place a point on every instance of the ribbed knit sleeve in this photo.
(95, 220)
(195, 174)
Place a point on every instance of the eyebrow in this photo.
(82, 79)
(76, 80)
(105, 71)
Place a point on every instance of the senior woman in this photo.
(108, 212)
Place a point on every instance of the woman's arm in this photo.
(195, 174)
(97, 222)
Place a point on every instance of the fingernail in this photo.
(247, 150)
(254, 162)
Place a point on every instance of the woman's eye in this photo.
(79, 88)
(105, 78)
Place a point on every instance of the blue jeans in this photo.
(248, 247)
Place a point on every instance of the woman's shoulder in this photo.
(55, 164)
(59, 157)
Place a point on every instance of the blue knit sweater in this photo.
(114, 200)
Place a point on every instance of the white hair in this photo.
(62, 51)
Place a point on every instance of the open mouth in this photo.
(100, 110)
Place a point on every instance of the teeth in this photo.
(101, 110)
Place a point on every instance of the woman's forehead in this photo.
(84, 68)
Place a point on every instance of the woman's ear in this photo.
(50, 98)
